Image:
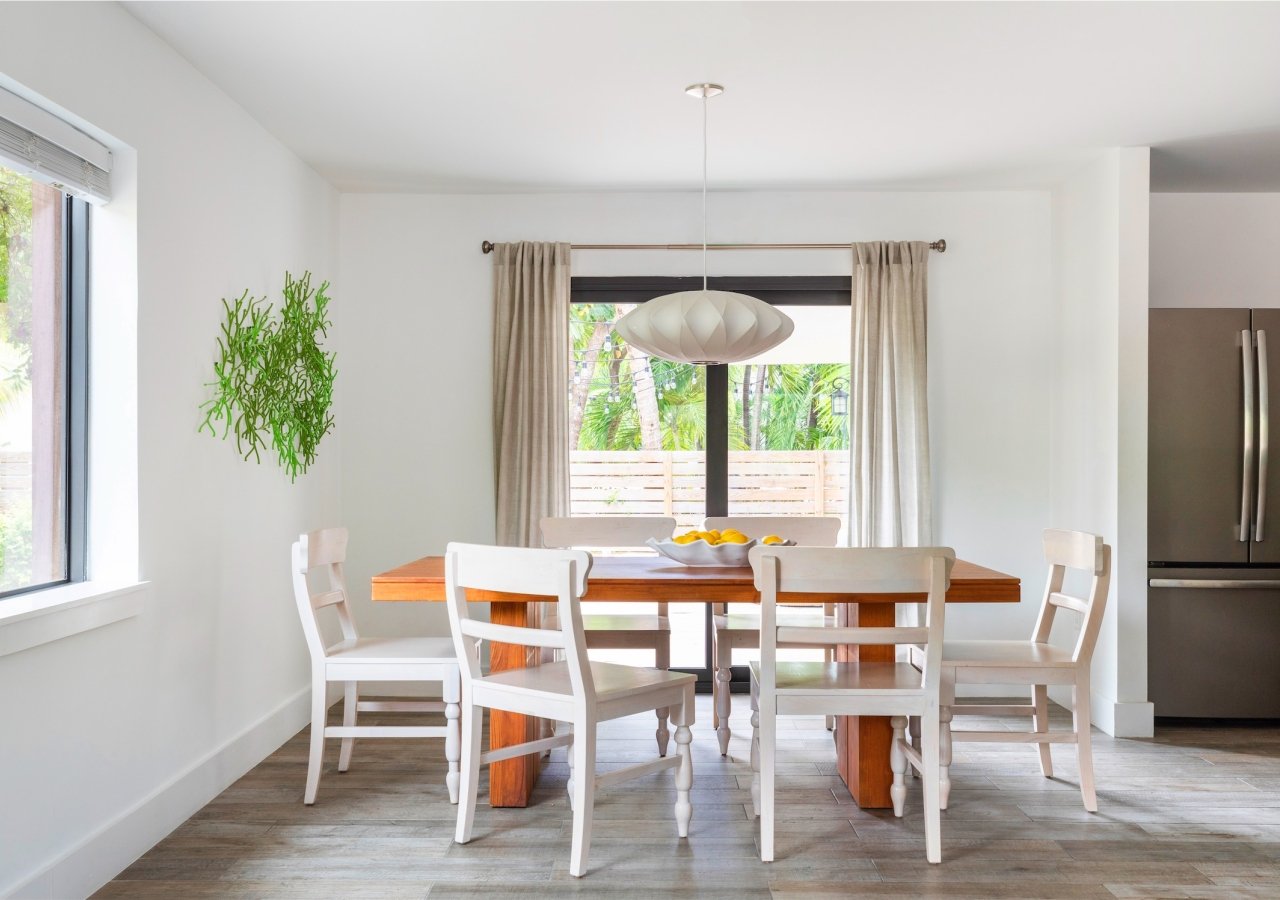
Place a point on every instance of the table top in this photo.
(652, 578)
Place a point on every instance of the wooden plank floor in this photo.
(1194, 813)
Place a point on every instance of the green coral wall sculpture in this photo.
(273, 380)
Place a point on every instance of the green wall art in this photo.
(273, 379)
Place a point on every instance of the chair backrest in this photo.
(806, 531)
(1083, 552)
(850, 570)
(604, 531)
(556, 574)
(325, 549)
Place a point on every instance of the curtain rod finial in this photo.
(486, 247)
(939, 245)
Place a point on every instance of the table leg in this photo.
(862, 742)
(511, 781)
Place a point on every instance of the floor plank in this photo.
(1193, 813)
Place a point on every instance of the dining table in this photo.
(862, 742)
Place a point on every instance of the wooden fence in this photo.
(672, 483)
(15, 477)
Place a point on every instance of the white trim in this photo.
(29, 620)
(1124, 719)
(110, 849)
(1118, 718)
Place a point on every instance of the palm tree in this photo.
(791, 407)
(623, 399)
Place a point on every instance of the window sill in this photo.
(30, 620)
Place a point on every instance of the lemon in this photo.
(773, 539)
(688, 538)
(733, 537)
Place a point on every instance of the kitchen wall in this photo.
(114, 736)
(417, 467)
(1099, 412)
(1215, 250)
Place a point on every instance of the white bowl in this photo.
(700, 553)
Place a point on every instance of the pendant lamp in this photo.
(704, 327)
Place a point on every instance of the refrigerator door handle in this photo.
(1246, 477)
(1264, 438)
(1215, 583)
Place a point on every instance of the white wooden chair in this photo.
(1035, 662)
(573, 690)
(855, 688)
(355, 659)
(623, 631)
(736, 629)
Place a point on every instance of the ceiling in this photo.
(588, 96)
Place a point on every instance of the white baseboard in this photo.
(1122, 719)
(102, 855)
(1131, 719)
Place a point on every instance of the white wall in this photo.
(139, 723)
(417, 468)
(1099, 408)
(1215, 250)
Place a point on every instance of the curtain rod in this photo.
(939, 245)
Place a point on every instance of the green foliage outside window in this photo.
(15, 359)
(625, 400)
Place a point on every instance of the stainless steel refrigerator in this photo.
(1213, 500)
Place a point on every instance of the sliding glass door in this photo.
(653, 437)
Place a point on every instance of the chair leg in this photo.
(913, 727)
(829, 655)
(898, 763)
(350, 699)
(569, 759)
(1080, 702)
(755, 748)
(768, 758)
(944, 756)
(930, 757)
(584, 788)
(662, 653)
(319, 713)
(452, 690)
(684, 774)
(715, 686)
(723, 699)
(469, 786)
(1040, 697)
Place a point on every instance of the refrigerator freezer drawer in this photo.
(1214, 652)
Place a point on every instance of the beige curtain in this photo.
(530, 387)
(890, 497)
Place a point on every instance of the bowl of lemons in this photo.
(713, 548)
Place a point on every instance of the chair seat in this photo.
(626, 622)
(799, 618)
(820, 677)
(381, 651)
(612, 681)
(996, 654)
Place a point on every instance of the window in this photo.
(653, 437)
(43, 258)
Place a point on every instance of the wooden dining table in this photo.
(862, 742)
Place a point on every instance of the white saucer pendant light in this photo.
(704, 327)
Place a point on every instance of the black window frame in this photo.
(75, 316)
(778, 290)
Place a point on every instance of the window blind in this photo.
(47, 148)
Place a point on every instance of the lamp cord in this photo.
(704, 188)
